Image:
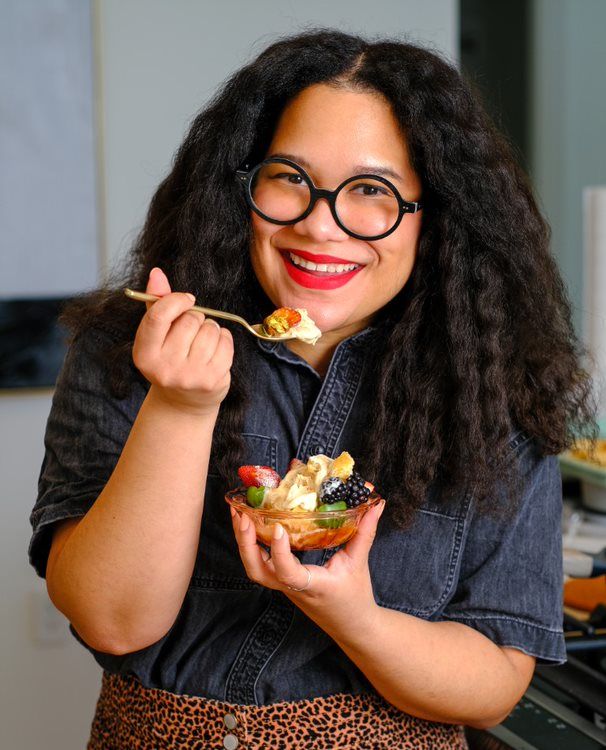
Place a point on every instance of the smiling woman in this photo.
(361, 181)
(330, 127)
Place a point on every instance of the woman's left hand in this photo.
(336, 590)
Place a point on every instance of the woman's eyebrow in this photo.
(357, 169)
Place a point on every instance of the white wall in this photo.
(569, 122)
(157, 62)
(49, 683)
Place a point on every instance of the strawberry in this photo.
(281, 321)
(259, 476)
(295, 464)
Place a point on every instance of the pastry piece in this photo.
(281, 321)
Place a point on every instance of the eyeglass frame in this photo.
(245, 176)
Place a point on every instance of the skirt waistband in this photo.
(132, 717)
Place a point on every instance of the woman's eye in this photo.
(369, 190)
(294, 179)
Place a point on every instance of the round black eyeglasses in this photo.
(365, 206)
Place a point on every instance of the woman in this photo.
(447, 367)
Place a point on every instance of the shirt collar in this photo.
(280, 351)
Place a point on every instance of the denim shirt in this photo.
(237, 641)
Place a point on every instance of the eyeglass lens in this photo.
(365, 206)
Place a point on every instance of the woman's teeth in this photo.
(321, 267)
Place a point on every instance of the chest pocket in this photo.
(218, 564)
(414, 570)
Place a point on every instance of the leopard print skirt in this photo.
(131, 717)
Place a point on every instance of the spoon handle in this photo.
(144, 297)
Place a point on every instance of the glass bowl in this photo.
(306, 529)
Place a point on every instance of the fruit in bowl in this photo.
(319, 503)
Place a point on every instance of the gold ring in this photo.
(292, 588)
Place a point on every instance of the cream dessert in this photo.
(321, 484)
(289, 321)
(319, 503)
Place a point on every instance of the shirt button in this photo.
(230, 742)
(230, 721)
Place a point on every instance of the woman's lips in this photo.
(317, 279)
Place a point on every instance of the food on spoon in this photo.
(289, 321)
(281, 321)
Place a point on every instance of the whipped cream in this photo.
(306, 329)
(300, 487)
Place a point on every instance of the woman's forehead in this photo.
(337, 131)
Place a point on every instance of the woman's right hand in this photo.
(186, 356)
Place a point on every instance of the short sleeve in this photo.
(85, 433)
(511, 580)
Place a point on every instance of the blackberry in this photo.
(357, 493)
(332, 490)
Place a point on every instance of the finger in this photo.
(157, 284)
(289, 569)
(157, 321)
(257, 569)
(182, 334)
(359, 546)
(205, 344)
(223, 356)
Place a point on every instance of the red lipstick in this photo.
(317, 279)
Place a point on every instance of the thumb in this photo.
(157, 284)
(359, 546)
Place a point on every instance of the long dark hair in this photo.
(481, 342)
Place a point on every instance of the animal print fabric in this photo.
(132, 717)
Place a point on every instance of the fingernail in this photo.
(244, 522)
(278, 531)
(232, 511)
(191, 296)
(382, 508)
(155, 268)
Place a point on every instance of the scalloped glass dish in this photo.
(306, 529)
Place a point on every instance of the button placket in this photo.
(328, 417)
(230, 721)
(262, 640)
(230, 740)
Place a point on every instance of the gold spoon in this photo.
(256, 329)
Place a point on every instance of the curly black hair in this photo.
(480, 340)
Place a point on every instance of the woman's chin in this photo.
(327, 321)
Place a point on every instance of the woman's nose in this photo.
(320, 225)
